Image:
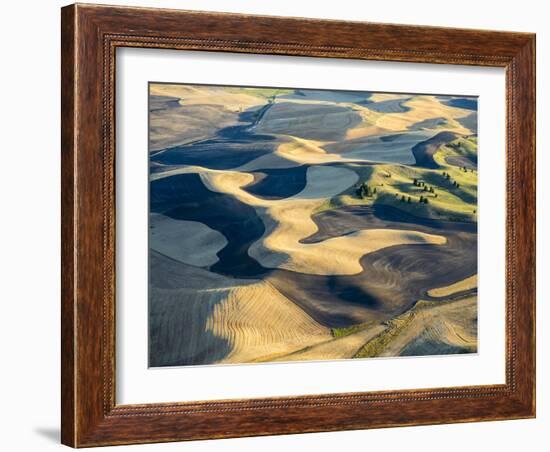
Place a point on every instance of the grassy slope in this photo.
(392, 181)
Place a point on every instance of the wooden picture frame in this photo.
(90, 36)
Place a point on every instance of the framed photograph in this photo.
(280, 225)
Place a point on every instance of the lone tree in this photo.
(409, 199)
(421, 199)
(402, 198)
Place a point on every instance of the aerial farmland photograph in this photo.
(290, 224)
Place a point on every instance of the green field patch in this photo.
(263, 93)
(376, 346)
(346, 331)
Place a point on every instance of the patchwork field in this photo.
(293, 224)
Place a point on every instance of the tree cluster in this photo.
(448, 177)
(364, 191)
(426, 188)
